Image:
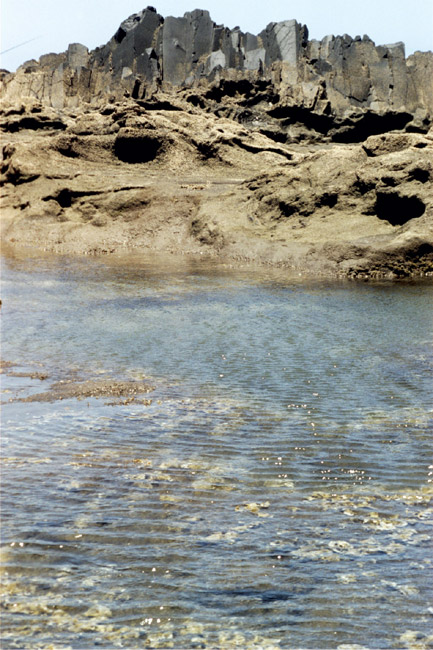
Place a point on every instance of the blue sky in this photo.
(50, 25)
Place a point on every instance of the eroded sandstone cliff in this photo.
(182, 135)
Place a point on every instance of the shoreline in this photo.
(174, 262)
(320, 269)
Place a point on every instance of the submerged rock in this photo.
(91, 389)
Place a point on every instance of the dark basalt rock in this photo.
(324, 78)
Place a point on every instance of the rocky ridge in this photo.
(148, 52)
(182, 135)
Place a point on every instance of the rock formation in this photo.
(182, 135)
(148, 52)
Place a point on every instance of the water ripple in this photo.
(277, 491)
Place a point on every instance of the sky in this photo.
(30, 28)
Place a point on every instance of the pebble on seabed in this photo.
(255, 508)
(414, 640)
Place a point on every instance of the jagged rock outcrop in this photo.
(149, 52)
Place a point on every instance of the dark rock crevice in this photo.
(396, 209)
(139, 148)
(359, 128)
(66, 197)
(420, 175)
(34, 123)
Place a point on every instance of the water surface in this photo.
(276, 492)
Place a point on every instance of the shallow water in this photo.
(277, 490)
